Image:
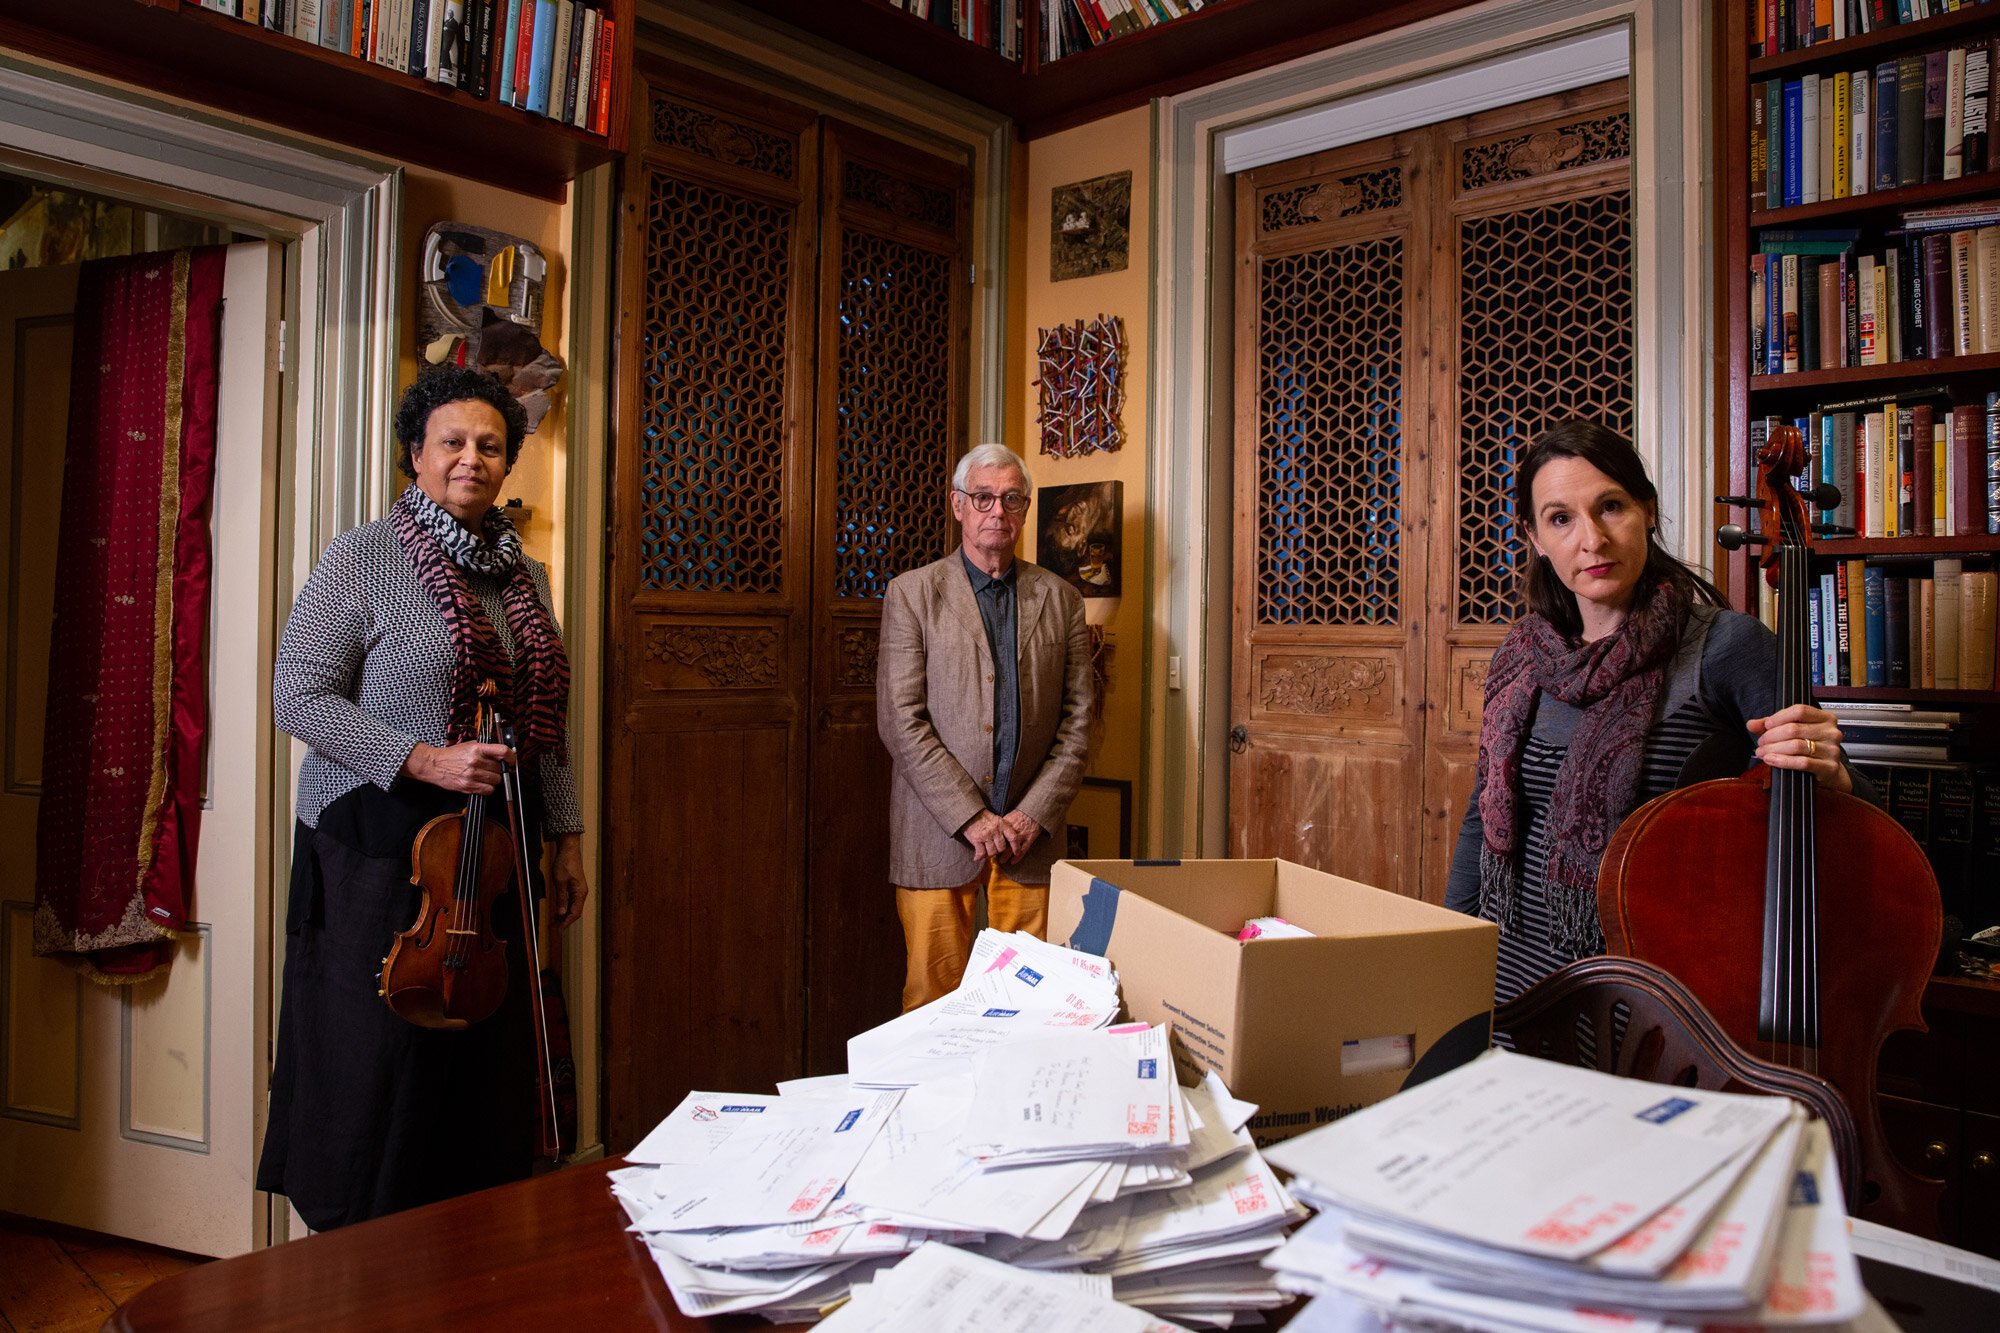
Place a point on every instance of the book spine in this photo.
(1888, 103)
(1978, 591)
(1990, 482)
(1760, 166)
(1815, 635)
(1861, 129)
(1840, 134)
(586, 70)
(607, 57)
(1954, 114)
(1809, 136)
(1809, 350)
(510, 37)
(1906, 475)
(1843, 656)
(1923, 465)
(1872, 612)
(1869, 482)
(1938, 294)
(1832, 324)
(1827, 658)
(490, 19)
(1794, 131)
(541, 56)
(1896, 630)
(1857, 620)
(1909, 120)
(1936, 67)
(1842, 452)
(1940, 474)
(1776, 140)
(1923, 631)
(1946, 574)
(1977, 110)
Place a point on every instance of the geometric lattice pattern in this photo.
(1330, 435)
(1606, 138)
(892, 400)
(1546, 318)
(678, 125)
(1317, 201)
(712, 385)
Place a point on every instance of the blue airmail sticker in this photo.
(1662, 1112)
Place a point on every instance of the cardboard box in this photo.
(1389, 992)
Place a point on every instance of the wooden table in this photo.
(551, 1252)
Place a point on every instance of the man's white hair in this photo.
(991, 455)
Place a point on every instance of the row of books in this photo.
(1069, 26)
(1903, 468)
(550, 57)
(1792, 25)
(1818, 302)
(1883, 625)
(1908, 121)
(1872, 732)
(993, 24)
(1953, 811)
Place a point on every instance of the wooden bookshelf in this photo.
(183, 51)
(1223, 39)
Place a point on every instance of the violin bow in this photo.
(532, 938)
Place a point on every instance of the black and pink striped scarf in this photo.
(537, 681)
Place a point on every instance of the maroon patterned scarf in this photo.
(537, 681)
(1616, 681)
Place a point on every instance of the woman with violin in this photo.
(1626, 678)
(404, 630)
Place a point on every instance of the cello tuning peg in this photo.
(1731, 537)
(1826, 495)
(1832, 530)
(1740, 501)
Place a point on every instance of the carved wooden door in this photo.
(894, 329)
(1411, 312)
(790, 400)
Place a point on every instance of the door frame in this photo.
(1184, 751)
(337, 216)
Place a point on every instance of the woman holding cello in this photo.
(1626, 678)
(406, 626)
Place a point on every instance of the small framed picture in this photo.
(1100, 820)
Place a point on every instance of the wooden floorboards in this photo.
(55, 1280)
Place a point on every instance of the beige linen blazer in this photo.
(934, 708)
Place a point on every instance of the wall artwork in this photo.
(1090, 227)
(480, 304)
(1081, 400)
(1079, 536)
(1100, 820)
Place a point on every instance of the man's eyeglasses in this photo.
(1012, 501)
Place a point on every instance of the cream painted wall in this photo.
(1118, 143)
(430, 197)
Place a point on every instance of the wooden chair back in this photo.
(1630, 1018)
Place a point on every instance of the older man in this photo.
(983, 696)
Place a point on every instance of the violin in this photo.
(449, 970)
(1805, 919)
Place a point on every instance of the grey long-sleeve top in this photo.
(364, 673)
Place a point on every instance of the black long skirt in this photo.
(369, 1113)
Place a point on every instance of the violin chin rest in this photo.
(424, 1007)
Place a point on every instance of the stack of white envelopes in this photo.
(941, 1288)
(1517, 1194)
(1009, 1119)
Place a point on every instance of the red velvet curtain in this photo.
(127, 709)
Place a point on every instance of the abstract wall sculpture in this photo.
(1081, 401)
(1090, 226)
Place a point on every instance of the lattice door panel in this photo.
(1330, 440)
(714, 356)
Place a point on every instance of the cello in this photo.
(1805, 919)
(448, 970)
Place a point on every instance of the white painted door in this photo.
(134, 1110)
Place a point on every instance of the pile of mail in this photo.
(1521, 1194)
(942, 1288)
(1011, 1119)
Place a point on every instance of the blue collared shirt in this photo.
(997, 611)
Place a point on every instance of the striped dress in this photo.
(1724, 674)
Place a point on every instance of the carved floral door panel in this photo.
(791, 396)
(1410, 312)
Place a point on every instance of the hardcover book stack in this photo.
(551, 57)
(1930, 288)
(993, 24)
(1069, 26)
(1793, 25)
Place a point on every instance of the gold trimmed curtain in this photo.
(127, 711)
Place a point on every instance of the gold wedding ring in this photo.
(1812, 747)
